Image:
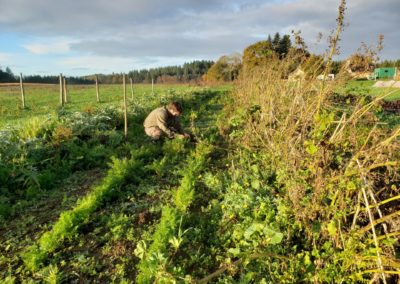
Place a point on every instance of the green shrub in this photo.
(5, 207)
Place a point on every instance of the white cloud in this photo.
(59, 47)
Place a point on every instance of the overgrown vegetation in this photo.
(137, 163)
(329, 177)
(314, 185)
(290, 180)
(43, 153)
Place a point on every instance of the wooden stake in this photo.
(152, 86)
(131, 87)
(22, 91)
(125, 109)
(65, 90)
(97, 89)
(61, 91)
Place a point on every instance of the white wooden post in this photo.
(97, 89)
(22, 90)
(152, 86)
(65, 90)
(125, 109)
(61, 91)
(131, 87)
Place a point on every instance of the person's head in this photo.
(175, 108)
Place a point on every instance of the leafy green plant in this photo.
(69, 222)
(38, 155)
(154, 258)
(51, 275)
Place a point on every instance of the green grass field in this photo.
(42, 100)
(363, 87)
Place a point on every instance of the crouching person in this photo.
(164, 122)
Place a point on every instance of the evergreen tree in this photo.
(284, 46)
(269, 39)
(7, 76)
(276, 41)
(9, 72)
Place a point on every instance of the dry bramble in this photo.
(336, 167)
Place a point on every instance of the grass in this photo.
(42, 100)
(363, 87)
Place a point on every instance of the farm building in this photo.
(385, 72)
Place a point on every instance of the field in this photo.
(280, 185)
(70, 156)
(44, 99)
(363, 87)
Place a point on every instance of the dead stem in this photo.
(371, 219)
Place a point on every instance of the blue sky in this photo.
(101, 36)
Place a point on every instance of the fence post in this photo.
(131, 87)
(22, 90)
(97, 89)
(65, 90)
(152, 86)
(125, 109)
(61, 90)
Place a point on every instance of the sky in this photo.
(82, 37)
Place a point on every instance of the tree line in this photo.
(7, 76)
(188, 72)
(389, 63)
